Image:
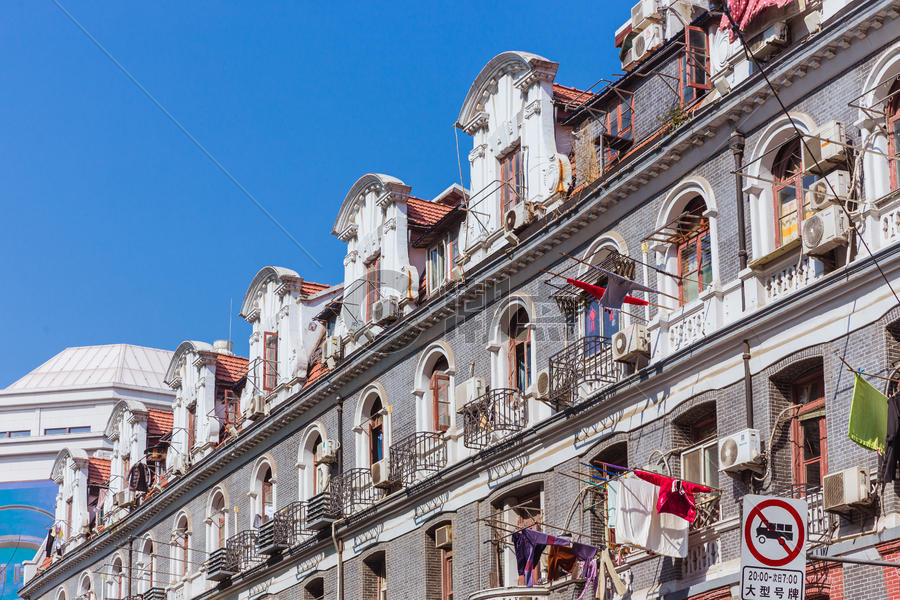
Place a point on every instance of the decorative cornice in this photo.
(477, 152)
(349, 233)
(533, 108)
(351, 257)
(389, 225)
(479, 121)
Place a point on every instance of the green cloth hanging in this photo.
(868, 416)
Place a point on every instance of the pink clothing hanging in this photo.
(675, 496)
(744, 11)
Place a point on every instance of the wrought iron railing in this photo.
(587, 361)
(419, 453)
(355, 490)
(323, 509)
(708, 512)
(493, 416)
(241, 552)
(820, 524)
(285, 529)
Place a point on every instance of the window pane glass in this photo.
(626, 116)
(79, 430)
(55, 431)
(813, 473)
(895, 129)
(711, 465)
(812, 445)
(787, 208)
(691, 465)
(706, 260)
(593, 316)
(16, 434)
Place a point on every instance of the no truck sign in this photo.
(773, 548)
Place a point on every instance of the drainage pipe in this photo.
(736, 144)
(748, 385)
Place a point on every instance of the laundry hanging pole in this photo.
(857, 371)
(630, 470)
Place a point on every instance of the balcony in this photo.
(355, 491)
(581, 368)
(217, 567)
(708, 512)
(820, 524)
(511, 593)
(493, 416)
(240, 552)
(284, 530)
(417, 455)
(323, 510)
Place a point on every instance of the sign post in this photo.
(773, 548)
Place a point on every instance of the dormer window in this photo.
(619, 127)
(442, 258)
(270, 360)
(693, 80)
(512, 180)
(373, 285)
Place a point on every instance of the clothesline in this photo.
(632, 470)
(860, 372)
(504, 526)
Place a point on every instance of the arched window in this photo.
(320, 478)
(265, 495)
(519, 351)
(439, 389)
(114, 584)
(313, 471)
(217, 521)
(694, 251)
(147, 561)
(84, 588)
(892, 112)
(61, 594)
(181, 538)
(788, 192)
(376, 431)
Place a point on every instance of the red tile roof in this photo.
(566, 94)
(230, 369)
(309, 288)
(159, 422)
(98, 470)
(423, 214)
(48, 560)
(317, 367)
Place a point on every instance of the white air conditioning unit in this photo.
(820, 196)
(257, 408)
(845, 489)
(443, 537)
(517, 217)
(824, 230)
(543, 384)
(630, 344)
(386, 310)
(770, 40)
(739, 451)
(628, 59)
(647, 41)
(333, 348)
(644, 14)
(328, 453)
(380, 475)
(826, 149)
(468, 390)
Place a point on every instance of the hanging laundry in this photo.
(612, 499)
(892, 439)
(868, 416)
(640, 524)
(615, 293)
(608, 569)
(669, 535)
(743, 12)
(48, 543)
(675, 496)
(139, 478)
(562, 559)
(589, 572)
(529, 544)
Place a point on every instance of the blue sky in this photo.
(116, 228)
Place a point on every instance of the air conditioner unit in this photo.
(385, 310)
(824, 230)
(631, 343)
(257, 408)
(820, 196)
(328, 453)
(738, 451)
(333, 348)
(380, 475)
(543, 384)
(628, 59)
(770, 40)
(467, 391)
(644, 14)
(517, 217)
(443, 536)
(647, 41)
(825, 149)
(121, 498)
(845, 489)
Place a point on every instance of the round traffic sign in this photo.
(756, 539)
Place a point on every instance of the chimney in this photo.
(223, 346)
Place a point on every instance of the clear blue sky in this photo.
(116, 228)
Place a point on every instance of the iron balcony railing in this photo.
(355, 490)
(493, 416)
(584, 363)
(420, 453)
(819, 523)
(708, 512)
(285, 529)
(241, 551)
(323, 509)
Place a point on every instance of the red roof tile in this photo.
(422, 213)
(563, 93)
(309, 288)
(230, 369)
(48, 560)
(317, 367)
(159, 422)
(98, 470)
